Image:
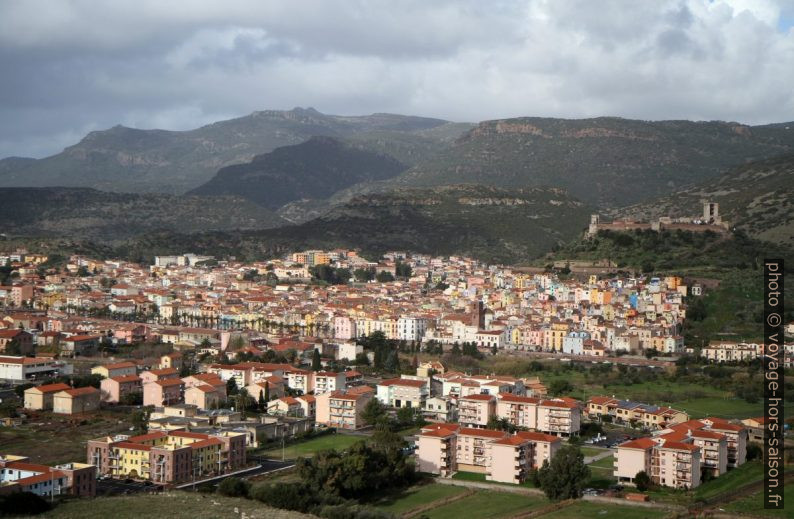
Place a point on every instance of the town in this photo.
(220, 361)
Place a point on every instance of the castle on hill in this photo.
(709, 221)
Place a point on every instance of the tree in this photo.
(317, 363)
(262, 402)
(642, 481)
(364, 275)
(140, 419)
(135, 398)
(403, 270)
(231, 386)
(560, 386)
(651, 353)
(384, 276)
(384, 438)
(373, 412)
(234, 487)
(242, 401)
(565, 476)
(392, 364)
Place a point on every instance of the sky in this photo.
(73, 66)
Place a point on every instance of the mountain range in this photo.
(503, 190)
(158, 161)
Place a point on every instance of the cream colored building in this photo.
(40, 398)
(444, 449)
(343, 409)
(76, 401)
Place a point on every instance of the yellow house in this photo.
(554, 335)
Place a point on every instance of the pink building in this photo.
(163, 392)
(114, 389)
(344, 328)
(476, 410)
(159, 374)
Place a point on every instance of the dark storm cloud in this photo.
(71, 67)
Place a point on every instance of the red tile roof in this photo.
(485, 433)
(82, 391)
(51, 388)
(403, 382)
(508, 397)
(639, 443)
(481, 398)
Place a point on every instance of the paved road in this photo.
(264, 466)
(590, 459)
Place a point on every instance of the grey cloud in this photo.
(69, 67)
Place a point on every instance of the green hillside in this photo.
(484, 222)
(605, 161)
(757, 198)
(78, 213)
(314, 169)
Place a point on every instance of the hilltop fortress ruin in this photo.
(709, 221)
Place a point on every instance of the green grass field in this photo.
(604, 463)
(309, 447)
(486, 505)
(581, 509)
(753, 504)
(736, 478)
(591, 451)
(601, 473)
(172, 504)
(470, 476)
(721, 407)
(416, 497)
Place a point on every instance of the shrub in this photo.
(23, 503)
(642, 480)
(234, 487)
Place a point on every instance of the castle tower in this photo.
(711, 212)
(594, 221)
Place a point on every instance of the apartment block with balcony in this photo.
(474, 448)
(676, 465)
(713, 451)
(327, 381)
(437, 449)
(736, 436)
(502, 457)
(342, 409)
(510, 461)
(559, 417)
(168, 457)
(680, 455)
(476, 410)
(521, 411)
(402, 392)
